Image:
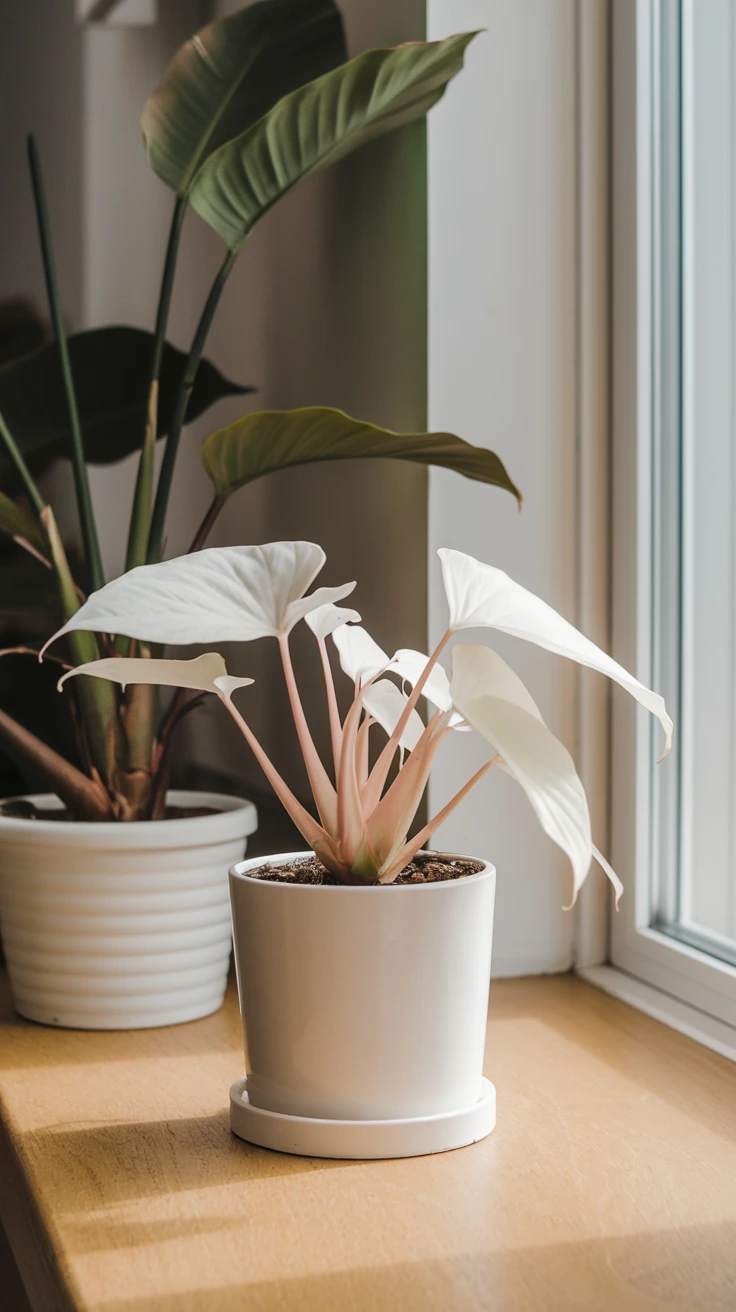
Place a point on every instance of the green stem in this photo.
(140, 520)
(20, 464)
(81, 481)
(97, 697)
(155, 543)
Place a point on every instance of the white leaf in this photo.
(610, 873)
(325, 619)
(206, 673)
(501, 711)
(360, 657)
(480, 671)
(385, 703)
(480, 596)
(410, 664)
(222, 594)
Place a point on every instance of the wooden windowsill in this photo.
(609, 1184)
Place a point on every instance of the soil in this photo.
(422, 870)
(22, 810)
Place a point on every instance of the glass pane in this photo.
(694, 471)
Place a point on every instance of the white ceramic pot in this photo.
(362, 1005)
(120, 926)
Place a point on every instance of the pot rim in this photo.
(239, 871)
(235, 817)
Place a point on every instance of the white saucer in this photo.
(360, 1140)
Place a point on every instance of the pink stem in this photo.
(409, 851)
(381, 768)
(388, 825)
(361, 752)
(377, 778)
(322, 789)
(315, 835)
(350, 819)
(335, 723)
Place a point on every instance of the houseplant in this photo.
(247, 109)
(364, 967)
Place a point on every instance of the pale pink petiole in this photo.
(335, 722)
(320, 783)
(410, 849)
(389, 822)
(317, 838)
(381, 768)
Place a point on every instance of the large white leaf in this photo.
(385, 703)
(222, 594)
(206, 673)
(495, 703)
(480, 596)
(325, 619)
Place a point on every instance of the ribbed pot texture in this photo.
(120, 926)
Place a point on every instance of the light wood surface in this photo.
(609, 1184)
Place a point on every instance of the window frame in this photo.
(681, 984)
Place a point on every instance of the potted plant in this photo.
(247, 109)
(364, 964)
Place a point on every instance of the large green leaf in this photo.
(17, 522)
(111, 368)
(269, 440)
(230, 74)
(317, 125)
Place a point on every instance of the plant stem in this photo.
(203, 532)
(81, 481)
(415, 844)
(97, 697)
(158, 522)
(140, 519)
(380, 770)
(319, 781)
(85, 799)
(334, 714)
(22, 467)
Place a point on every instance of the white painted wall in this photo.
(502, 307)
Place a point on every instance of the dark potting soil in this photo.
(422, 870)
(22, 810)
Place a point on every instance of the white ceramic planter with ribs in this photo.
(120, 926)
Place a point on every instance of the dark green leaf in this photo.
(317, 125)
(230, 74)
(111, 367)
(269, 440)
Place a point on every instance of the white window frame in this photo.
(679, 984)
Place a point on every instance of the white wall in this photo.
(502, 306)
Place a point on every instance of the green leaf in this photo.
(230, 74)
(111, 372)
(19, 524)
(279, 439)
(317, 125)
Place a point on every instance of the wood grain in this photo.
(609, 1184)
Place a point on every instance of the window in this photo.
(674, 549)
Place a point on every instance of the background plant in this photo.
(246, 110)
(361, 833)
